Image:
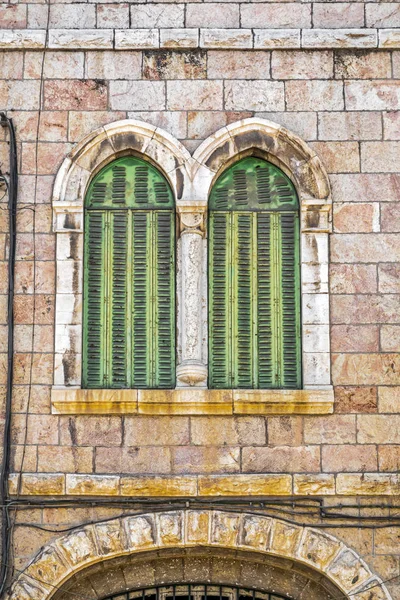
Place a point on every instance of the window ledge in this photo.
(191, 401)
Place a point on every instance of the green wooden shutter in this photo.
(254, 271)
(129, 286)
(95, 300)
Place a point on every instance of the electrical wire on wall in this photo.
(6, 504)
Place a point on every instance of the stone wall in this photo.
(338, 90)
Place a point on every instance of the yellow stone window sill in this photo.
(191, 401)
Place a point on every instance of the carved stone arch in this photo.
(111, 141)
(84, 161)
(191, 179)
(276, 144)
(326, 556)
(267, 140)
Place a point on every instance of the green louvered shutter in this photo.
(129, 281)
(254, 279)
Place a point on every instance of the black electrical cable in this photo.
(5, 467)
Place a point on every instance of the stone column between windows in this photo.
(192, 368)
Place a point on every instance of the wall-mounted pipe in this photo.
(5, 467)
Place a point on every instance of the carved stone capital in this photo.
(316, 218)
(192, 217)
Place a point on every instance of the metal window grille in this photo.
(195, 591)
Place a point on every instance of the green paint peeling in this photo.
(254, 279)
(129, 279)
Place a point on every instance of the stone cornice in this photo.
(190, 401)
(139, 39)
(205, 486)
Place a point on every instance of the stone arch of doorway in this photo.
(309, 552)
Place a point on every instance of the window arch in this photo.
(254, 279)
(129, 278)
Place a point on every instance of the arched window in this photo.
(254, 279)
(129, 278)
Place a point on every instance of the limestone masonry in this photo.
(294, 492)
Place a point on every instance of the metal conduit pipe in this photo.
(12, 185)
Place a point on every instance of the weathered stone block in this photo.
(254, 95)
(194, 95)
(364, 64)
(92, 485)
(358, 248)
(315, 484)
(160, 431)
(69, 460)
(382, 15)
(366, 369)
(145, 460)
(356, 399)
(179, 38)
(389, 399)
(11, 64)
(113, 16)
(276, 15)
(339, 38)
(285, 431)
(81, 39)
(245, 485)
(338, 157)
(256, 532)
(157, 15)
(326, 16)
(314, 95)
(137, 38)
(389, 278)
(114, 65)
(334, 429)
(378, 429)
(166, 64)
(78, 16)
(277, 38)
(285, 538)
(83, 122)
(355, 338)
(353, 278)
(281, 459)
(221, 431)
(217, 15)
(158, 486)
(225, 64)
(349, 126)
(357, 218)
(13, 16)
(365, 187)
(389, 458)
(140, 532)
(350, 484)
(380, 157)
(73, 95)
(390, 338)
(318, 549)
(339, 459)
(187, 459)
(297, 64)
(90, 431)
(372, 95)
(137, 95)
(225, 529)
